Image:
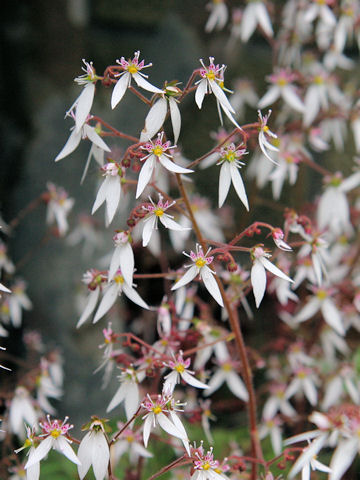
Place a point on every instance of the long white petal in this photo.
(191, 380)
(101, 195)
(308, 310)
(107, 301)
(270, 97)
(171, 224)
(118, 397)
(307, 455)
(220, 95)
(236, 386)
(91, 302)
(148, 228)
(127, 263)
(100, 456)
(171, 166)
(258, 281)
(131, 399)
(70, 145)
(211, 285)
(343, 457)
(33, 472)
(273, 269)
(143, 83)
(168, 426)
(186, 278)
(113, 197)
(83, 105)
(292, 99)
(312, 104)
(200, 92)
(95, 138)
(145, 175)
(40, 452)
(84, 455)
(332, 316)
(310, 391)
(224, 182)
(62, 445)
(248, 22)
(154, 119)
(132, 294)
(147, 428)
(215, 382)
(263, 18)
(239, 185)
(175, 118)
(120, 89)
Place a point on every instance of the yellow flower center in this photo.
(282, 82)
(210, 75)
(227, 367)
(321, 294)
(157, 410)
(159, 212)
(56, 433)
(318, 80)
(301, 374)
(207, 413)
(265, 128)
(119, 279)
(200, 262)
(132, 69)
(180, 368)
(130, 438)
(230, 157)
(217, 470)
(158, 151)
(221, 85)
(28, 442)
(206, 466)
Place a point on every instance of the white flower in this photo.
(281, 87)
(180, 371)
(255, 13)
(227, 373)
(157, 114)
(277, 402)
(218, 16)
(258, 273)
(32, 473)
(131, 70)
(123, 257)
(229, 172)
(205, 467)
(157, 212)
(87, 234)
(322, 301)
(318, 248)
(86, 131)
(21, 410)
(157, 151)
(93, 279)
(271, 427)
(5, 263)
(94, 450)
(129, 441)
(304, 382)
(55, 433)
(84, 101)
(164, 404)
(128, 392)
(109, 191)
(58, 207)
(263, 131)
(333, 210)
(17, 302)
(200, 267)
(113, 290)
(46, 388)
(213, 82)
